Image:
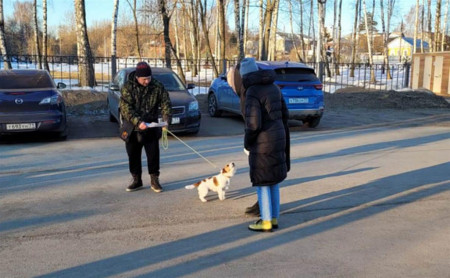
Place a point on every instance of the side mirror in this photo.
(61, 85)
(190, 86)
(114, 87)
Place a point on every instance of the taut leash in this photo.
(165, 144)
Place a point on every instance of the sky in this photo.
(99, 10)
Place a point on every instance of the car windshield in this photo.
(25, 80)
(170, 81)
(295, 75)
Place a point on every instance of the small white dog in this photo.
(218, 183)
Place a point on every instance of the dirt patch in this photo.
(383, 100)
(85, 102)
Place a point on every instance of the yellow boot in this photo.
(261, 226)
(274, 223)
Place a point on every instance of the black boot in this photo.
(155, 183)
(253, 210)
(136, 184)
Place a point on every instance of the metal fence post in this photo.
(407, 67)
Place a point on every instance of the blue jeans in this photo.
(269, 201)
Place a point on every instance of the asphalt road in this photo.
(360, 201)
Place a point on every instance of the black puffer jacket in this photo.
(266, 129)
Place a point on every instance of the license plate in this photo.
(298, 100)
(20, 126)
(175, 120)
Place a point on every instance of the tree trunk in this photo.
(85, 65)
(437, 26)
(222, 32)
(114, 39)
(311, 30)
(167, 43)
(267, 28)
(3, 49)
(44, 34)
(339, 38)
(36, 35)
(416, 26)
(261, 30)
(369, 44)
(354, 44)
(430, 39)
(245, 23)
(386, 34)
(444, 27)
(237, 24)
(302, 40)
(177, 39)
(206, 35)
(273, 32)
(136, 27)
(297, 52)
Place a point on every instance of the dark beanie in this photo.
(143, 70)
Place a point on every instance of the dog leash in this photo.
(165, 144)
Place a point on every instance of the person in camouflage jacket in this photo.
(142, 96)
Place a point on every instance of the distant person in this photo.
(141, 97)
(235, 80)
(266, 140)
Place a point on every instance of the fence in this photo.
(334, 77)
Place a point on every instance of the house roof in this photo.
(418, 42)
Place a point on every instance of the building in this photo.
(404, 46)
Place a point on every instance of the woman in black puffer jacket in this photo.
(266, 139)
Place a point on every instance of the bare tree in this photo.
(166, 15)
(416, 26)
(85, 65)
(267, 26)
(44, 35)
(354, 39)
(369, 44)
(3, 49)
(437, 27)
(36, 35)
(273, 32)
(429, 24)
(320, 40)
(261, 29)
(136, 27)
(206, 35)
(238, 28)
(385, 25)
(221, 15)
(302, 39)
(114, 38)
(297, 52)
(444, 27)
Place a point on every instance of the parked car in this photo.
(301, 89)
(30, 102)
(186, 116)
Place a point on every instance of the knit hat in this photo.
(143, 70)
(248, 65)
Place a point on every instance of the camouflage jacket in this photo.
(142, 104)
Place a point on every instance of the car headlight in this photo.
(193, 106)
(56, 99)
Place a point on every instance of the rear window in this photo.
(295, 75)
(25, 80)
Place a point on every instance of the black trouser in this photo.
(150, 141)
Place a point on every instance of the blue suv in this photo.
(301, 89)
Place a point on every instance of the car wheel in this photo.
(212, 106)
(313, 122)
